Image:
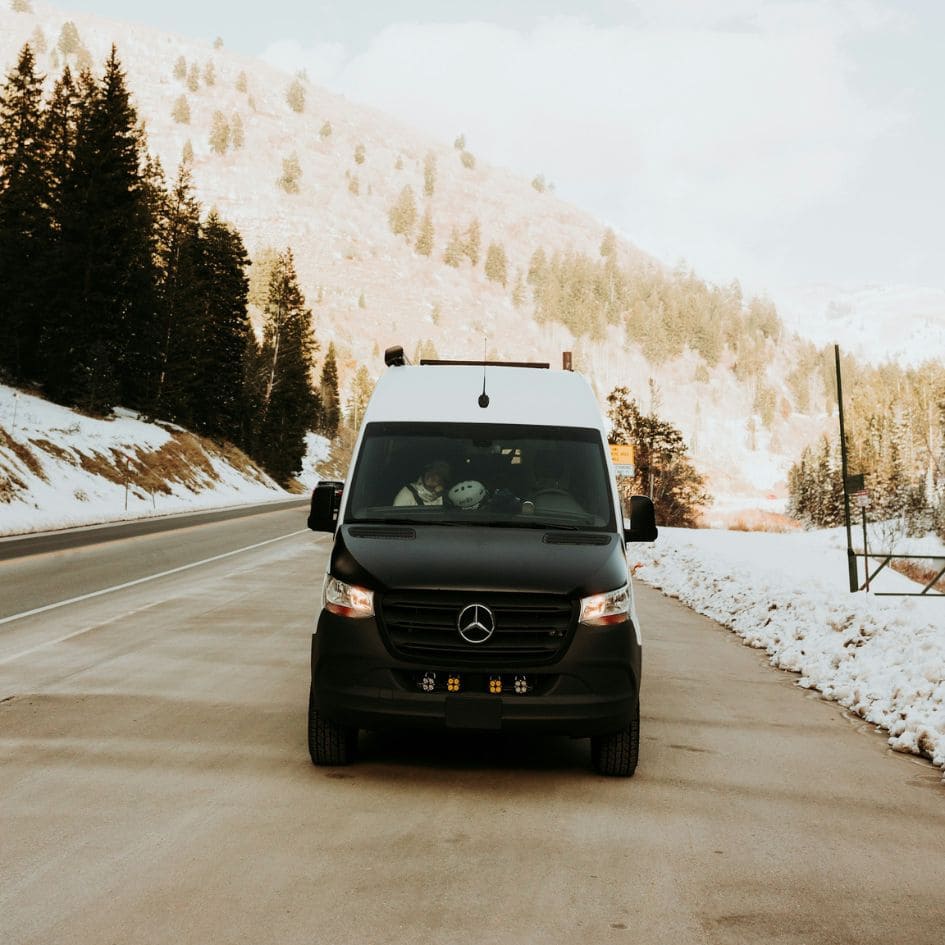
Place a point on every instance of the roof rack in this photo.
(525, 364)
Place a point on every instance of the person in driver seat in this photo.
(551, 483)
(428, 488)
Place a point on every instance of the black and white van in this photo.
(478, 577)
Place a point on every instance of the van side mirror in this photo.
(326, 501)
(642, 520)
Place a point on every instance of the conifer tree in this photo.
(359, 154)
(329, 396)
(69, 42)
(180, 69)
(25, 235)
(295, 96)
(496, 265)
(219, 133)
(193, 77)
(291, 172)
(242, 83)
(403, 214)
(453, 254)
(288, 406)
(107, 253)
(325, 131)
(429, 174)
(21, 6)
(361, 389)
(209, 74)
(472, 241)
(237, 135)
(187, 153)
(180, 289)
(181, 111)
(424, 244)
(38, 41)
(226, 336)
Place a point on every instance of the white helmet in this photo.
(468, 494)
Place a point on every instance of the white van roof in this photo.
(450, 393)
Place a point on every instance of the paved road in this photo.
(156, 788)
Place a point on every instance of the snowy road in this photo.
(156, 788)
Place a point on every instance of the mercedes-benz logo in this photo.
(475, 623)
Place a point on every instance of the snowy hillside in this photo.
(900, 323)
(59, 468)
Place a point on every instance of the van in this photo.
(478, 578)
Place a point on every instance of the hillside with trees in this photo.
(400, 239)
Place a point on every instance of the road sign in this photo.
(621, 454)
(625, 469)
(862, 499)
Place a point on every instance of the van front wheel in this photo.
(615, 755)
(329, 743)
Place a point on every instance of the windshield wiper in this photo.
(553, 525)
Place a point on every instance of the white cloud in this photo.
(696, 140)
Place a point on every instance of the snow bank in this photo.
(881, 657)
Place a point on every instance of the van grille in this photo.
(529, 628)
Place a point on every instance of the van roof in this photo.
(450, 393)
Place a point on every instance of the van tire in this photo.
(329, 743)
(615, 755)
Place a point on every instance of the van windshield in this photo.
(481, 474)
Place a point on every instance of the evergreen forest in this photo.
(120, 290)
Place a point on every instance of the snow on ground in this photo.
(881, 657)
(52, 458)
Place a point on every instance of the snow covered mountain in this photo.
(370, 288)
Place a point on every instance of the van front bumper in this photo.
(591, 689)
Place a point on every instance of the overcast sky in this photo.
(781, 142)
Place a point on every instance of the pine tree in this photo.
(460, 143)
(242, 83)
(69, 42)
(496, 265)
(209, 74)
(519, 292)
(295, 96)
(472, 241)
(237, 135)
(608, 244)
(325, 131)
(25, 226)
(226, 337)
(467, 160)
(21, 6)
(187, 153)
(453, 255)
(180, 69)
(429, 174)
(193, 77)
(181, 112)
(38, 41)
(288, 406)
(539, 183)
(359, 154)
(291, 172)
(219, 133)
(403, 214)
(329, 396)
(107, 254)
(179, 253)
(361, 389)
(424, 244)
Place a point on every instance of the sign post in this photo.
(862, 499)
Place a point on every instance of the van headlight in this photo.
(348, 600)
(598, 610)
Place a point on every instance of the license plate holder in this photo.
(474, 710)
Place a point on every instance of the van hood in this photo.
(436, 557)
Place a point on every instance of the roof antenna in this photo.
(484, 397)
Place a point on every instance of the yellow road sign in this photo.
(621, 454)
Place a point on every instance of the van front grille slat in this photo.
(529, 628)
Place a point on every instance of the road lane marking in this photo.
(78, 633)
(150, 577)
